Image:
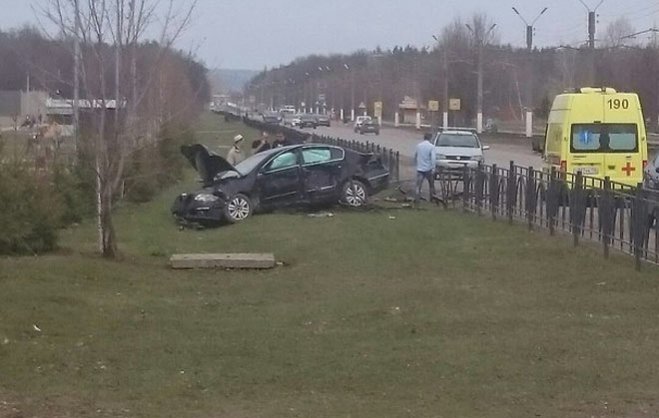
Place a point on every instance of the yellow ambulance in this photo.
(599, 132)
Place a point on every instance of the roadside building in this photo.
(408, 109)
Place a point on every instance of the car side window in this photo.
(316, 155)
(285, 160)
(337, 154)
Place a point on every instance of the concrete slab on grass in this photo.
(230, 261)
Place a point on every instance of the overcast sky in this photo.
(251, 34)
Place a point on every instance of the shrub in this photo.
(76, 190)
(157, 165)
(30, 210)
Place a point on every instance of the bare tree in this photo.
(117, 98)
(617, 32)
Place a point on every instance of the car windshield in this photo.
(457, 140)
(248, 165)
(604, 137)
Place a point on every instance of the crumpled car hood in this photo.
(207, 163)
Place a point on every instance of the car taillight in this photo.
(563, 165)
(645, 164)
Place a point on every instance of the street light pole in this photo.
(445, 106)
(480, 44)
(352, 92)
(529, 72)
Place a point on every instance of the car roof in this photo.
(458, 132)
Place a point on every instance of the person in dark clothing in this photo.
(262, 144)
(280, 140)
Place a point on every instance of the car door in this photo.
(321, 170)
(279, 180)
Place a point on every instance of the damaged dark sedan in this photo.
(306, 175)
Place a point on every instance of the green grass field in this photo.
(430, 314)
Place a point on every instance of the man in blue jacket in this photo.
(425, 159)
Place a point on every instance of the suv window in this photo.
(285, 160)
(457, 140)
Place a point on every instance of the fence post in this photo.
(480, 186)
(575, 207)
(494, 192)
(606, 216)
(552, 201)
(530, 197)
(639, 225)
(511, 189)
(466, 185)
(397, 166)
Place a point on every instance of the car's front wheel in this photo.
(238, 208)
(354, 193)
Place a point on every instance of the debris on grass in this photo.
(321, 215)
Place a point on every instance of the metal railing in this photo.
(617, 215)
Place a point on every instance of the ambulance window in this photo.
(604, 137)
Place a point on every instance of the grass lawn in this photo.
(430, 314)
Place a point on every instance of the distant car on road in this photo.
(457, 149)
(323, 120)
(293, 120)
(369, 127)
(271, 118)
(298, 175)
(307, 121)
(358, 122)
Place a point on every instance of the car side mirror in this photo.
(486, 147)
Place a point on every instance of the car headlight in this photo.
(206, 198)
(479, 158)
(441, 157)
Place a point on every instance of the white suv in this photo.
(457, 149)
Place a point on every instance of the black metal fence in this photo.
(616, 215)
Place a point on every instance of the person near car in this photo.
(235, 154)
(262, 144)
(280, 140)
(425, 159)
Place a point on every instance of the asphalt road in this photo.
(405, 142)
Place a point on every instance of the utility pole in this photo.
(592, 21)
(76, 80)
(445, 100)
(480, 40)
(529, 89)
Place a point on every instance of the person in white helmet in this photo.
(235, 154)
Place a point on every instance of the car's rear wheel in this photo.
(238, 208)
(354, 193)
